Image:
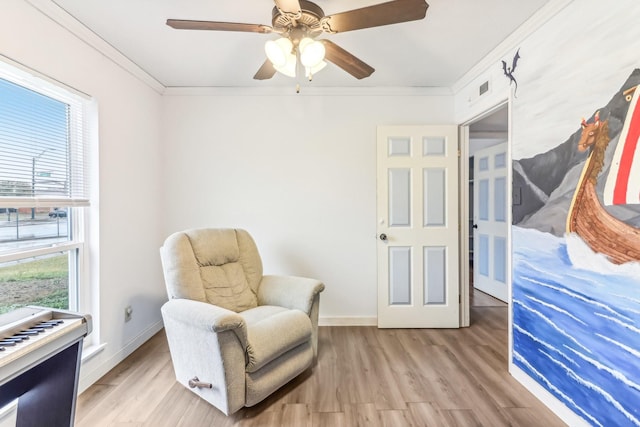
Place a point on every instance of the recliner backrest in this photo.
(218, 266)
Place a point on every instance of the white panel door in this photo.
(490, 204)
(418, 231)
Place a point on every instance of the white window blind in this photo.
(43, 149)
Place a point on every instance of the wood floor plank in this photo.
(354, 371)
(164, 412)
(395, 418)
(364, 376)
(327, 400)
(491, 381)
(264, 419)
(296, 414)
(382, 375)
(93, 396)
(123, 398)
(472, 394)
(428, 414)
(200, 414)
(146, 399)
(362, 415)
(537, 415)
(464, 418)
(123, 370)
(407, 374)
(330, 419)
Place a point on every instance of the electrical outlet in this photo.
(128, 312)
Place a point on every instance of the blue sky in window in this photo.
(34, 138)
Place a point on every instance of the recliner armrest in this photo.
(289, 291)
(203, 315)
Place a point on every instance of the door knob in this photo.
(475, 226)
(383, 237)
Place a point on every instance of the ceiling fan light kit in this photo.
(278, 51)
(283, 54)
(299, 22)
(311, 52)
(289, 67)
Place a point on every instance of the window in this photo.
(44, 193)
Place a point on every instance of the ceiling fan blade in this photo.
(265, 72)
(291, 7)
(392, 12)
(346, 61)
(182, 24)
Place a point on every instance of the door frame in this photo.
(465, 304)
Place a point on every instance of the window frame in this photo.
(80, 277)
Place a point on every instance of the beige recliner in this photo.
(235, 335)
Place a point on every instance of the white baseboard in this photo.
(348, 321)
(87, 378)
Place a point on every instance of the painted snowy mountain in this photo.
(547, 181)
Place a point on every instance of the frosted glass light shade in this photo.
(289, 68)
(278, 51)
(311, 52)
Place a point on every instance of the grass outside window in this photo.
(42, 281)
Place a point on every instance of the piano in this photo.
(40, 353)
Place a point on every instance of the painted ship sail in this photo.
(623, 181)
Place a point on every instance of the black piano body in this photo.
(39, 365)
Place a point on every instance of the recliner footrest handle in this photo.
(195, 382)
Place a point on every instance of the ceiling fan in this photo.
(300, 22)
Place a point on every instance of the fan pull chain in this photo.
(298, 70)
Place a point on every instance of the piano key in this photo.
(53, 322)
(13, 338)
(45, 325)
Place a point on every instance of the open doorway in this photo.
(488, 202)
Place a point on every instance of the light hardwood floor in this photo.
(364, 377)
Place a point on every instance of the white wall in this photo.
(298, 172)
(129, 193)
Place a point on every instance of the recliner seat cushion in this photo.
(273, 331)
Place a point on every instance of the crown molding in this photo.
(50, 9)
(307, 91)
(542, 16)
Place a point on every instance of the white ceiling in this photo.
(434, 52)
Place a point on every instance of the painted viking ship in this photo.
(587, 217)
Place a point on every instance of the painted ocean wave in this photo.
(577, 329)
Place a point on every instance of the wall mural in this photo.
(509, 71)
(576, 263)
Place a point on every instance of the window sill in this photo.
(92, 351)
